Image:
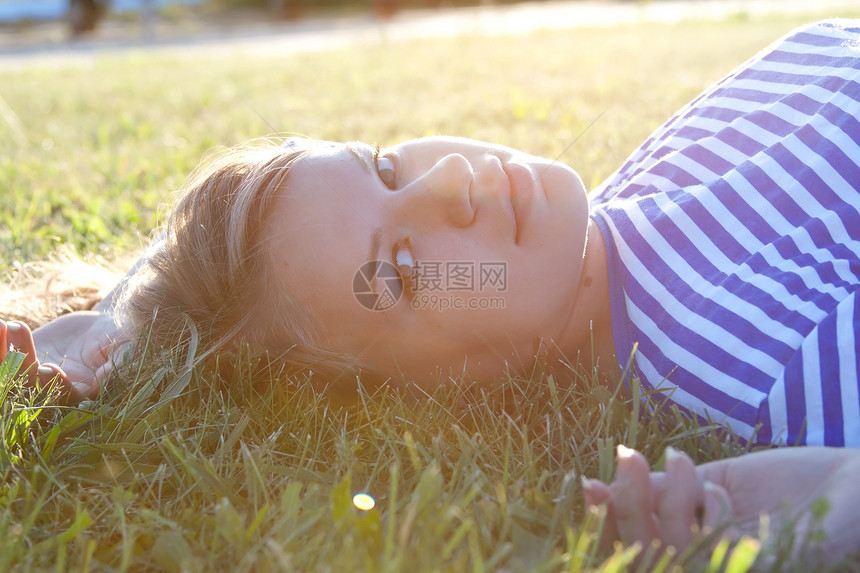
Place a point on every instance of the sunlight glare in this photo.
(363, 501)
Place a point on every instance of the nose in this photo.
(442, 193)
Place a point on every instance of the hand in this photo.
(77, 348)
(783, 483)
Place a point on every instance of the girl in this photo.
(724, 257)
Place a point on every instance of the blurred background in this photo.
(27, 25)
(107, 105)
(81, 17)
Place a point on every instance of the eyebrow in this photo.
(376, 236)
(353, 147)
(375, 242)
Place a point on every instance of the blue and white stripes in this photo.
(733, 237)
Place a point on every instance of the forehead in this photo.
(320, 228)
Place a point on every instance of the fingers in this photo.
(631, 498)
(4, 346)
(597, 496)
(629, 511)
(718, 506)
(111, 354)
(681, 504)
(108, 355)
(595, 491)
(19, 336)
(48, 374)
(669, 506)
(88, 389)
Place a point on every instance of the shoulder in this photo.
(840, 34)
(808, 78)
(842, 27)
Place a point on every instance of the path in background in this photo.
(253, 34)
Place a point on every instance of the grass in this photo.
(172, 469)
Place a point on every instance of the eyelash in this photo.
(407, 279)
(408, 285)
(376, 156)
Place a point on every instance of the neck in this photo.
(587, 339)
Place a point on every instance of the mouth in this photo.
(522, 194)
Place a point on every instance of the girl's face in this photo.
(478, 248)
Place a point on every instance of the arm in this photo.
(79, 348)
(785, 483)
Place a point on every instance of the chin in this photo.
(571, 180)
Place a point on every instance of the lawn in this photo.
(175, 470)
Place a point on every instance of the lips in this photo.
(522, 195)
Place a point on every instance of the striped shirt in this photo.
(733, 243)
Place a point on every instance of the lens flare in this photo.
(363, 501)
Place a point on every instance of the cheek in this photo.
(447, 247)
(418, 358)
(548, 271)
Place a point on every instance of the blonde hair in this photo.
(209, 269)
